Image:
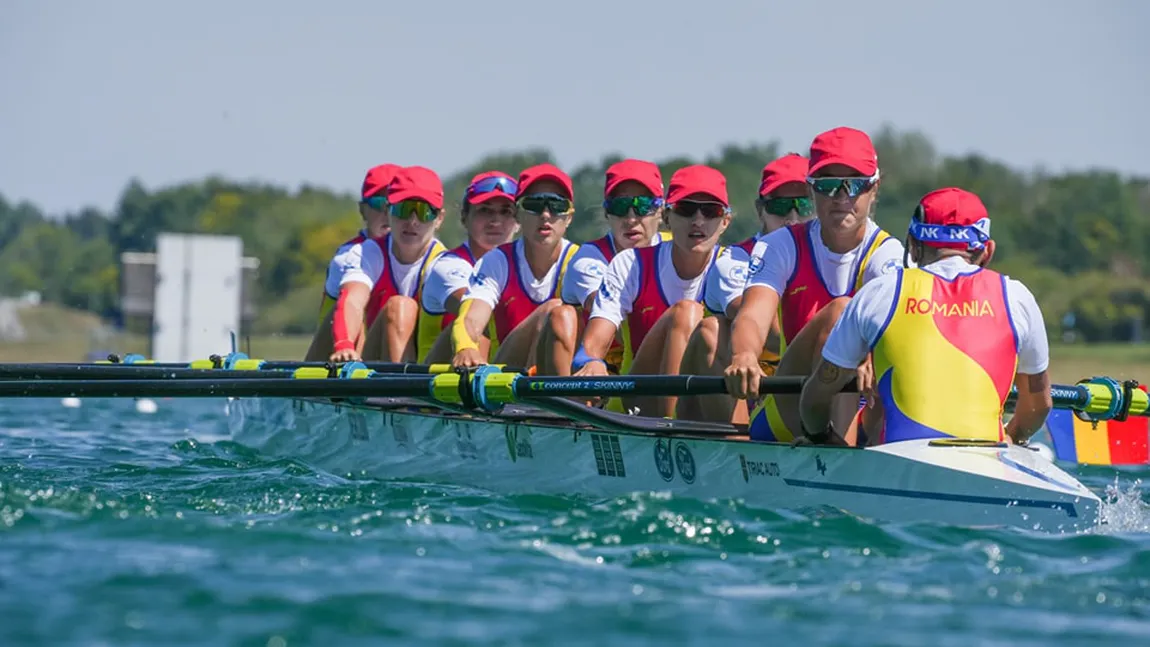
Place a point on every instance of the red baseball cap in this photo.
(791, 167)
(955, 208)
(643, 172)
(377, 179)
(845, 146)
(495, 188)
(416, 183)
(544, 172)
(698, 179)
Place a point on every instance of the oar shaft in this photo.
(399, 386)
(129, 372)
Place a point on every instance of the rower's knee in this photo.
(543, 313)
(399, 308)
(562, 322)
(833, 310)
(685, 315)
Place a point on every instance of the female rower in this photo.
(517, 284)
(658, 290)
(784, 199)
(373, 210)
(488, 214)
(633, 203)
(382, 290)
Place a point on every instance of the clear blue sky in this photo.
(95, 93)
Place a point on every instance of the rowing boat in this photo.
(528, 450)
(508, 432)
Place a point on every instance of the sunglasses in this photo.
(554, 203)
(489, 184)
(642, 205)
(710, 210)
(829, 186)
(783, 206)
(421, 210)
(377, 202)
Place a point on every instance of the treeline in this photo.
(1080, 240)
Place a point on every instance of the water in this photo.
(118, 528)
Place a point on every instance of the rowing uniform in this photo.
(748, 245)
(387, 277)
(586, 274)
(956, 334)
(449, 272)
(503, 280)
(343, 259)
(727, 283)
(639, 286)
(795, 263)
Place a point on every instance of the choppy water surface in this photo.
(130, 529)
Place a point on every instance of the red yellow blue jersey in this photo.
(385, 286)
(515, 303)
(651, 301)
(805, 294)
(945, 360)
(430, 324)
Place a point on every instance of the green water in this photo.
(118, 528)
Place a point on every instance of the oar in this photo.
(1098, 398)
(196, 370)
(489, 388)
(410, 386)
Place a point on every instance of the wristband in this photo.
(460, 339)
(582, 359)
(343, 344)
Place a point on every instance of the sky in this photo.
(93, 94)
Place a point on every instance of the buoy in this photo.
(144, 405)
(70, 403)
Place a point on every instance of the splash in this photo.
(1124, 510)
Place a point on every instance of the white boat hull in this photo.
(910, 481)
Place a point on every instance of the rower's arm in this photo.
(597, 337)
(468, 327)
(347, 320)
(1032, 407)
(454, 300)
(819, 390)
(752, 324)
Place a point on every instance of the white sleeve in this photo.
(726, 280)
(772, 261)
(363, 264)
(861, 323)
(1033, 347)
(583, 275)
(488, 279)
(448, 274)
(887, 259)
(334, 274)
(619, 289)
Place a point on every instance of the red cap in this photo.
(951, 206)
(495, 192)
(544, 172)
(791, 167)
(418, 183)
(643, 172)
(377, 179)
(698, 179)
(846, 146)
